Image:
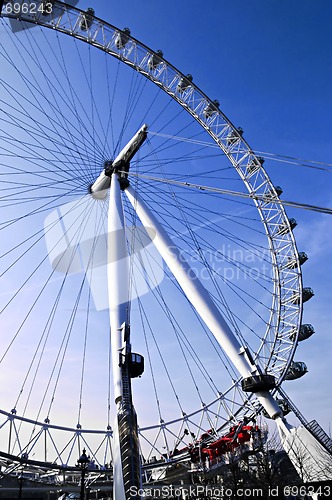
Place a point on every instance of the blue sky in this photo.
(270, 66)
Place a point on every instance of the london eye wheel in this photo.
(83, 106)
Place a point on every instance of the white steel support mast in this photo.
(126, 460)
(117, 281)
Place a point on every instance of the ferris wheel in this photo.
(141, 238)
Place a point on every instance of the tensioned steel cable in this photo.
(180, 290)
(195, 312)
(251, 196)
(234, 287)
(56, 92)
(198, 250)
(271, 156)
(35, 90)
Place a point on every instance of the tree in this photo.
(311, 460)
(269, 468)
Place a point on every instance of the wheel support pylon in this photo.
(126, 459)
(126, 456)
